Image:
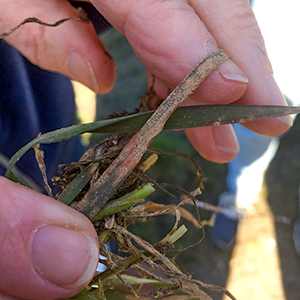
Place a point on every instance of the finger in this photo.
(47, 248)
(233, 25)
(72, 48)
(215, 143)
(269, 127)
(170, 39)
(6, 297)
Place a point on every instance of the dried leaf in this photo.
(117, 172)
(39, 156)
(183, 117)
(81, 17)
(170, 209)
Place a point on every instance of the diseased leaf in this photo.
(183, 117)
(117, 172)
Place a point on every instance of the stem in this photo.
(100, 193)
(125, 201)
(177, 234)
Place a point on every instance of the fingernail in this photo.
(64, 257)
(228, 69)
(225, 139)
(277, 98)
(82, 70)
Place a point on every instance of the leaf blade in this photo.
(183, 117)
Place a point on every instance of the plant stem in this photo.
(100, 193)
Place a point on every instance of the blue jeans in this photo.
(33, 101)
(252, 147)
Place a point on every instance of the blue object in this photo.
(252, 147)
(296, 235)
(33, 101)
(223, 233)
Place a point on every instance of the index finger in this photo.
(170, 37)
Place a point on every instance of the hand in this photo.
(48, 250)
(169, 37)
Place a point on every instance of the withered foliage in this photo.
(148, 262)
(114, 169)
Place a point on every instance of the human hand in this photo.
(48, 250)
(169, 37)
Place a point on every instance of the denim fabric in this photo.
(33, 101)
(252, 147)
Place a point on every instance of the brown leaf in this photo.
(117, 172)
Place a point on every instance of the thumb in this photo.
(72, 48)
(49, 249)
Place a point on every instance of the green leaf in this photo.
(85, 295)
(127, 200)
(116, 295)
(202, 115)
(177, 234)
(211, 115)
(77, 184)
(183, 117)
(114, 280)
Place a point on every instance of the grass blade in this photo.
(77, 184)
(121, 167)
(127, 200)
(183, 117)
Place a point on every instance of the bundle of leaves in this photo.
(127, 206)
(108, 183)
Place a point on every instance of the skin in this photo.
(170, 38)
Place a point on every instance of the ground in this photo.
(263, 263)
